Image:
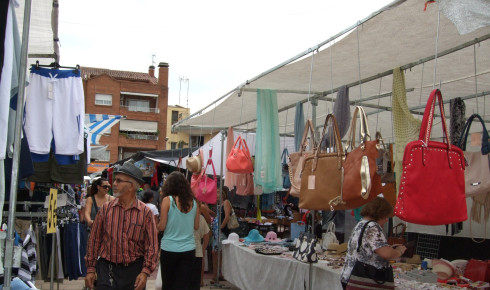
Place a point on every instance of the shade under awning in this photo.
(138, 126)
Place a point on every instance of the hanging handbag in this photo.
(330, 237)
(232, 221)
(361, 183)
(477, 172)
(244, 184)
(365, 276)
(208, 187)
(432, 190)
(397, 232)
(321, 176)
(239, 160)
(384, 166)
(304, 250)
(286, 181)
(296, 159)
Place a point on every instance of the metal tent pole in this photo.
(217, 284)
(9, 243)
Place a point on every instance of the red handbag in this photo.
(207, 190)
(239, 160)
(432, 189)
(477, 270)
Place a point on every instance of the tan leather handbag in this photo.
(361, 183)
(296, 159)
(321, 177)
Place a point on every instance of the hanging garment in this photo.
(28, 269)
(299, 125)
(341, 111)
(55, 110)
(267, 172)
(457, 110)
(406, 126)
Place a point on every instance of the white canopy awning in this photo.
(139, 94)
(138, 126)
(400, 35)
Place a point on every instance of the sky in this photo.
(216, 45)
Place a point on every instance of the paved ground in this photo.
(78, 284)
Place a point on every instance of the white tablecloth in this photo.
(248, 270)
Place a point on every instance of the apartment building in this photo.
(141, 97)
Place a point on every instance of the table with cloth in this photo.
(248, 270)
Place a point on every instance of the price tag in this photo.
(311, 182)
(53, 197)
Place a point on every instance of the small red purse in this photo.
(239, 160)
(432, 186)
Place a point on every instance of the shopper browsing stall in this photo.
(225, 212)
(123, 246)
(179, 217)
(374, 249)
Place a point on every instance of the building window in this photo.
(173, 145)
(139, 105)
(197, 141)
(175, 117)
(103, 99)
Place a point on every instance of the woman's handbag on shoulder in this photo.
(322, 173)
(432, 186)
(477, 172)
(239, 160)
(232, 221)
(365, 276)
(361, 183)
(296, 159)
(304, 250)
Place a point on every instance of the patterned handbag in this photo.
(304, 250)
(432, 188)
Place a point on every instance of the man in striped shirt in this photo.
(123, 246)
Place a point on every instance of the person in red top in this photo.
(123, 245)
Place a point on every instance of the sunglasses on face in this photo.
(106, 186)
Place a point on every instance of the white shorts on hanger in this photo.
(55, 109)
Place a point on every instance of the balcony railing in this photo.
(141, 109)
(142, 137)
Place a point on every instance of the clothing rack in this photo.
(56, 65)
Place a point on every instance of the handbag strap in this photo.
(285, 155)
(242, 144)
(403, 229)
(365, 135)
(485, 145)
(380, 139)
(426, 127)
(331, 227)
(338, 141)
(304, 141)
(359, 241)
(210, 161)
